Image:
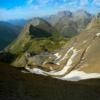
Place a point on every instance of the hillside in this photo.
(53, 19)
(37, 37)
(37, 28)
(78, 59)
(16, 85)
(39, 52)
(67, 27)
(68, 23)
(82, 19)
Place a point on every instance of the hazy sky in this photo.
(19, 9)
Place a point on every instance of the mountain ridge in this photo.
(67, 22)
(79, 54)
(74, 61)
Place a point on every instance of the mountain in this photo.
(37, 37)
(20, 22)
(8, 33)
(69, 23)
(79, 59)
(53, 19)
(82, 18)
(35, 29)
(65, 23)
(67, 27)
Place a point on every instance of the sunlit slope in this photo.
(78, 59)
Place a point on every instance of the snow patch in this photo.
(67, 66)
(79, 75)
(65, 55)
(57, 55)
(72, 76)
(84, 41)
(36, 71)
(44, 62)
(24, 71)
(98, 34)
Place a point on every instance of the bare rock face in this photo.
(68, 23)
(82, 18)
(37, 28)
(67, 27)
(53, 19)
(83, 52)
(39, 60)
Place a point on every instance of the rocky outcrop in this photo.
(54, 19)
(82, 19)
(67, 27)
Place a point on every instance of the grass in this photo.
(45, 44)
(38, 45)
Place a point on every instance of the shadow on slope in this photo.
(15, 85)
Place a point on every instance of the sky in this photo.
(25, 9)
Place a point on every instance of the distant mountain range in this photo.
(18, 22)
(8, 33)
(65, 23)
(70, 23)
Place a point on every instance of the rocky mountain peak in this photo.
(38, 21)
(65, 13)
(82, 13)
(98, 15)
